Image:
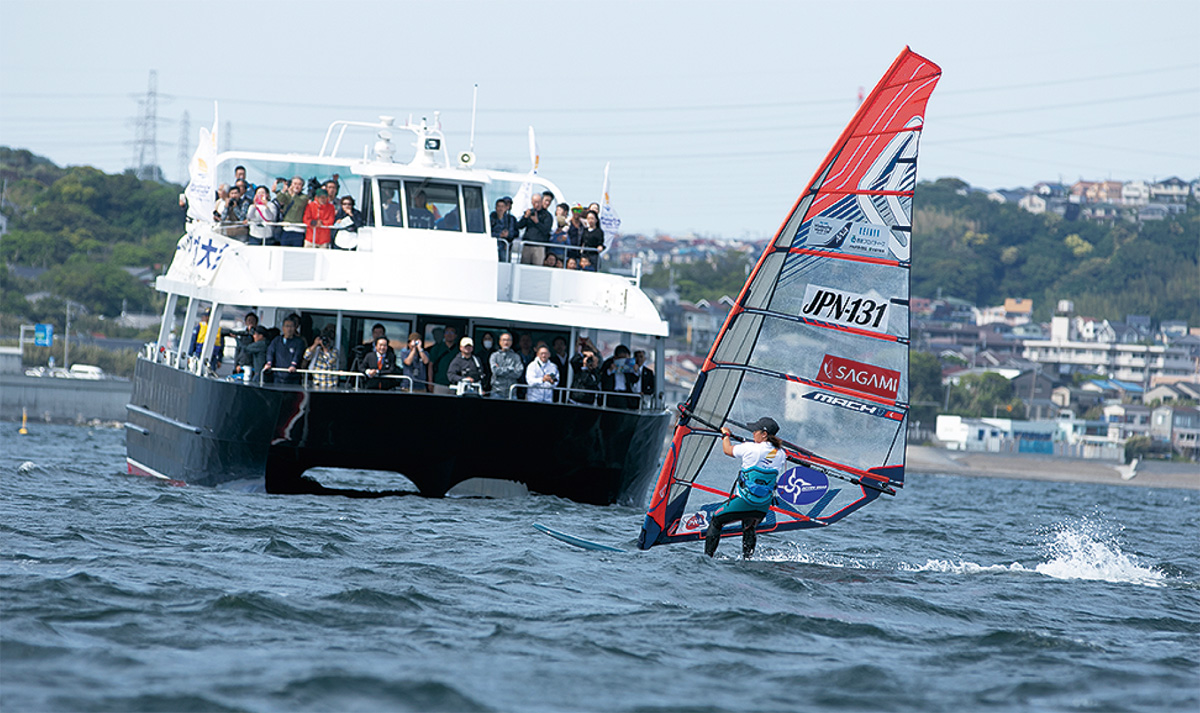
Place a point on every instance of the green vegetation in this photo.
(719, 275)
(979, 250)
(80, 228)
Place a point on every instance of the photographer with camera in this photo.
(619, 374)
(292, 204)
(586, 369)
(414, 363)
(542, 376)
(322, 356)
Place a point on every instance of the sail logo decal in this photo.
(867, 378)
(851, 236)
(853, 405)
(802, 486)
(849, 309)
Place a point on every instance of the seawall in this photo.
(62, 400)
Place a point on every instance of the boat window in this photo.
(274, 174)
(473, 207)
(389, 203)
(432, 206)
(368, 204)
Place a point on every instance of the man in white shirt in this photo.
(541, 375)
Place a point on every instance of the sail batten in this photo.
(818, 337)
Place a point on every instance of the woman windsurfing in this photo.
(762, 461)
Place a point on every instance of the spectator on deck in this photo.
(504, 227)
(419, 215)
(536, 224)
(415, 362)
(585, 366)
(318, 217)
(322, 357)
(594, 207)
(525, 349)
(284, 354)
(465, 368)
(618, 374)
(254, 356)
(440, 356)
(592, 239)
(550, 261)
(221, 202)
(292, 204)
(243, 339)
(507, 368)
(645, 374)
(376, 364)
(331, 190)
(359, 350)
(259, 213)
(239, 177)
(572, 264)
(541, 375)
(348, 216)
(487, 345)
(561, 234)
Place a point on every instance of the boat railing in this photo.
(610, 399)
(563, 250)
(516, 392)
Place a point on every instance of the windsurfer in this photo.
(762, 461)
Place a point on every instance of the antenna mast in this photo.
(185, 139)
(474, 100)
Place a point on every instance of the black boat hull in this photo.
(206, 431)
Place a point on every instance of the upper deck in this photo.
(425, 246)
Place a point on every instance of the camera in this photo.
(314, 186)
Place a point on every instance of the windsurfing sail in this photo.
(818, 338)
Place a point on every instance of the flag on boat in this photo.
(201, 188)
(610, 222)
(818, 338)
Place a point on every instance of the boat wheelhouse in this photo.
(192, 421)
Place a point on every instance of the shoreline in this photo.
(1150, 474)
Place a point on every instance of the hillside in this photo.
(979, 250)
(74, 230)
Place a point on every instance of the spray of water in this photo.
(1081, 548)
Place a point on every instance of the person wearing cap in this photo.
(465, 367)
(504, 227)
(763, 459)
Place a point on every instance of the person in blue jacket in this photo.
(763, 459)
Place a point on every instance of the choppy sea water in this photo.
(123, 594)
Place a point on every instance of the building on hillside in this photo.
(1126, 421)
(1036, 390)
(1096, 191)
(1135, 193)
(1171, 190)
(1075, 399)
(1015, 311)
(1114, 391)
(1008, 195)
(1136, 363)
(1179, 426)
(1178, 391)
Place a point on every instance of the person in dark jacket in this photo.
(465, 368)
(348, 216)
(253, 357)
(536, 223)
(379, 362)
(591, 239)
(504, 227)
(586, 369)
(285, 354)
(645, 374)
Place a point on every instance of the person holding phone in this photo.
(414, 362)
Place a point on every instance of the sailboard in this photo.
(818, 338)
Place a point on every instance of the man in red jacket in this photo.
(318, 216)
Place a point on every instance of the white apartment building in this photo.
(1137, 363)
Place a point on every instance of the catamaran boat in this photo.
(192, 423)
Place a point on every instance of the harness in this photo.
(756, 485)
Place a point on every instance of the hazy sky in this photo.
(713, 114)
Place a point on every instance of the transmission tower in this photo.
(227, 136)
(147, 133)
(185, 140)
